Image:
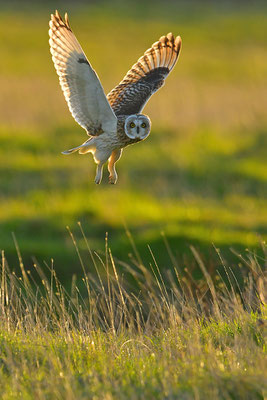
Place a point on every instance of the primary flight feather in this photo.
(113, 121)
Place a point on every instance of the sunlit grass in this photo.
(153, 335)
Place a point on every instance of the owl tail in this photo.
(70, 151)
(83, 148)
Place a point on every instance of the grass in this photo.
(180, 311)
(166, 336)
(200, 177)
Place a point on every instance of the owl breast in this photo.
(113, 140)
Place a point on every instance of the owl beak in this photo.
(137, 129)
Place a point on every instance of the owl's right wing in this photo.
(146, 76)
(80, 84)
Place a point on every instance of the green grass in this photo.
(201, 175)
(162, 338)
(179, 310)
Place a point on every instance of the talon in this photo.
(112, 180)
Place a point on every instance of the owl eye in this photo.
(132, 125)
(143, 125)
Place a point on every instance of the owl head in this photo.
(137, 126)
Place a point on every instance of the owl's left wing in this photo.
(80, 84)
(146, 76)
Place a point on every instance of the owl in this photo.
(114, 121)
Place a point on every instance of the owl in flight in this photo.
(114, 121)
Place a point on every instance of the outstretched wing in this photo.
(146, 76)
(80, 84)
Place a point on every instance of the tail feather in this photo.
(70, 151)
(83, 148)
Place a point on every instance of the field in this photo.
(173, 339)
(198, 180)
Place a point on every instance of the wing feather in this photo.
(80, 84)
(146, 76)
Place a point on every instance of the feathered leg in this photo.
(115, 156)
(99, 173)
(100, 158)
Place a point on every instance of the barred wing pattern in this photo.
(145, 77)
(80, 84)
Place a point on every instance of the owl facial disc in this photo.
(137, 126)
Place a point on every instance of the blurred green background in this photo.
(200, 177)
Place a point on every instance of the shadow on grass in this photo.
(216, 175)
(44, 240)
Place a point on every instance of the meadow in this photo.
(162, 275)
(173, 339)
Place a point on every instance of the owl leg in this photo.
(115, 156)
(99, 172)
(100, 158)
